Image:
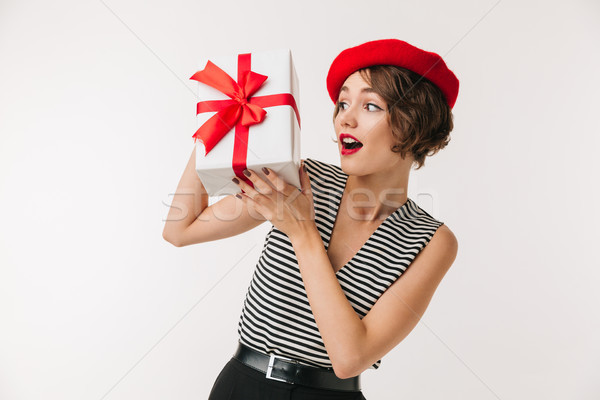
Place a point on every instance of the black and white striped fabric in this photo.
(276, 316)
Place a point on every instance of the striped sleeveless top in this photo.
(276, 316)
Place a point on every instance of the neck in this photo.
(374, 197)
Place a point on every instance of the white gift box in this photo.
(273, 143)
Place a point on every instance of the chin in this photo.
(349, 166)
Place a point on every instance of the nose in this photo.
(347, 117)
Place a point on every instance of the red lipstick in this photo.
(354, 147)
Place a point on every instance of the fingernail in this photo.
(246, 172)
(265, 170)
(304, 168)
(236, 181)
(239, 196)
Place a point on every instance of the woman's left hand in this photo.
(289, 209)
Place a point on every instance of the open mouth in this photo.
(350, 143)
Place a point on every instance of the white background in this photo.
(97, 114)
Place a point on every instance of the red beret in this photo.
(392, 52)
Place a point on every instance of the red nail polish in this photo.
(246, 172)
(265, 170)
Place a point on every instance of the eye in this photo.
(373, 107)
(342, 105)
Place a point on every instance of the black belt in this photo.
(291, 371)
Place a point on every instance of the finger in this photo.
(260, 185)
(247, 190)
(278, 183)
(252, 204)
(305, 180)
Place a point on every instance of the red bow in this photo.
(241, 111)
(230, 111)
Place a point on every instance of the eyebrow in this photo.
(363, 90)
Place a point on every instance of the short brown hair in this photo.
(418, 112)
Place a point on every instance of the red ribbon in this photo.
(241, 111)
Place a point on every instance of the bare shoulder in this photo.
(444, 241)
(438, 255)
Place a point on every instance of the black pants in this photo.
(237, 381)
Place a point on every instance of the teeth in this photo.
(349, 140)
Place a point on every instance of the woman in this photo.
(326, 302)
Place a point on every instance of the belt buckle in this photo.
(270, 367)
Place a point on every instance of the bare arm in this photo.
(352, 344)
(191, 220)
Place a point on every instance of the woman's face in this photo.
(363, 116)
